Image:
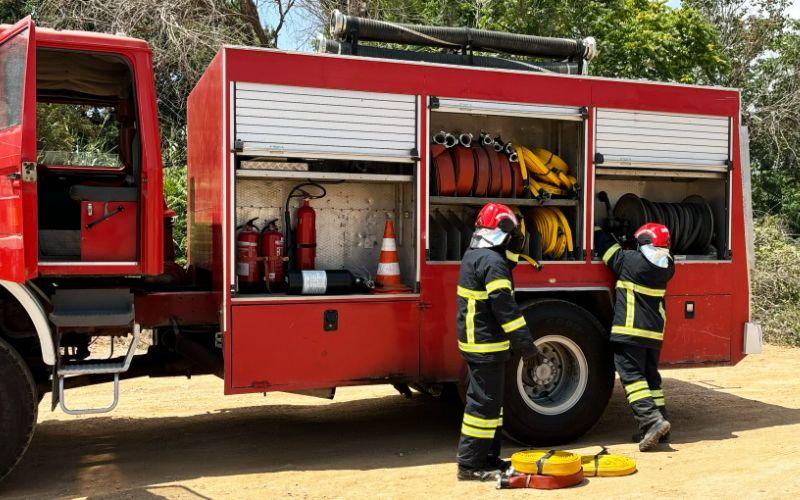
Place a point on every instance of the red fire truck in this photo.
(361, 136)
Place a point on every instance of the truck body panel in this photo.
(714, 335)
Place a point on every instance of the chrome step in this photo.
(96, 368)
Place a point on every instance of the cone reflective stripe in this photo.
(387, 279)
(389, 245)
(390, 271)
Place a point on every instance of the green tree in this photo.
(762, 44)
(12, 11)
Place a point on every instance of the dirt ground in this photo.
(736, 433)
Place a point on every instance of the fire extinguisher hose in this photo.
(288, 237)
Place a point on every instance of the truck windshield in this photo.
(12, 79)
(77, 135)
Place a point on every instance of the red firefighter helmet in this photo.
(653, 234)
(493, 215)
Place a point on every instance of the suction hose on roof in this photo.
(346, 48)
(345, 27)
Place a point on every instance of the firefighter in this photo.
(638, 327)
(490, 324)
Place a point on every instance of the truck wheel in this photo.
(571, 389)
(18, 407)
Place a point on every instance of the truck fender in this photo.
(33, 307)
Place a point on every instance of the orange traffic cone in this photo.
(388, 277)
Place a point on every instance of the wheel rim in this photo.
(560, 382)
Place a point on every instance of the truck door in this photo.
(18, 214)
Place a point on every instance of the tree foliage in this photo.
(636, 38)
(762, 44)
(184, 36)
(776, 282)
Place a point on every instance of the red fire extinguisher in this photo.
(248, 269)
(306, 236)
(272, 251)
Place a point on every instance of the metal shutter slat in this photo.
(498, 108)
(314, 128)
(302, 122)
(644, 139)
(249, 95)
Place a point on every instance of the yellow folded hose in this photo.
(535, 166)
(554, 175)
(607, 465)
(554, 229)
(561, 463)
(551, 160)
(537, 187)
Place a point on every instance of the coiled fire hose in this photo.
(690, 222)
(550, 173)
(554, 230)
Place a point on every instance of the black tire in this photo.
(577, 345)
(18, 408)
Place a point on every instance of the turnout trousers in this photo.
(481, 428)
(638, 371)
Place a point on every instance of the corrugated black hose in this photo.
(351, 27)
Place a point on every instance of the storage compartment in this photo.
(106, 231)
(352, 202)
(698, 329)
(673, 169)
(695, 209)
(536, 151)
(324, 343)
(351, 157)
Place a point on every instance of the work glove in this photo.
(516, 244)
(533, 358)
(602, 238)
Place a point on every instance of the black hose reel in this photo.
(690, 222)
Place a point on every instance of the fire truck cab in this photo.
(86, 251)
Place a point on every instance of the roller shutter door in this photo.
(661, 140)
(304, 122)
(497, 108)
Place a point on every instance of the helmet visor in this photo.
(656, 255)
(483, 237)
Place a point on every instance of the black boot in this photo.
(666, 438)
(469, 474)
(653, 434)
(498, 463)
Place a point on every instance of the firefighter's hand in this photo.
(532, 359)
